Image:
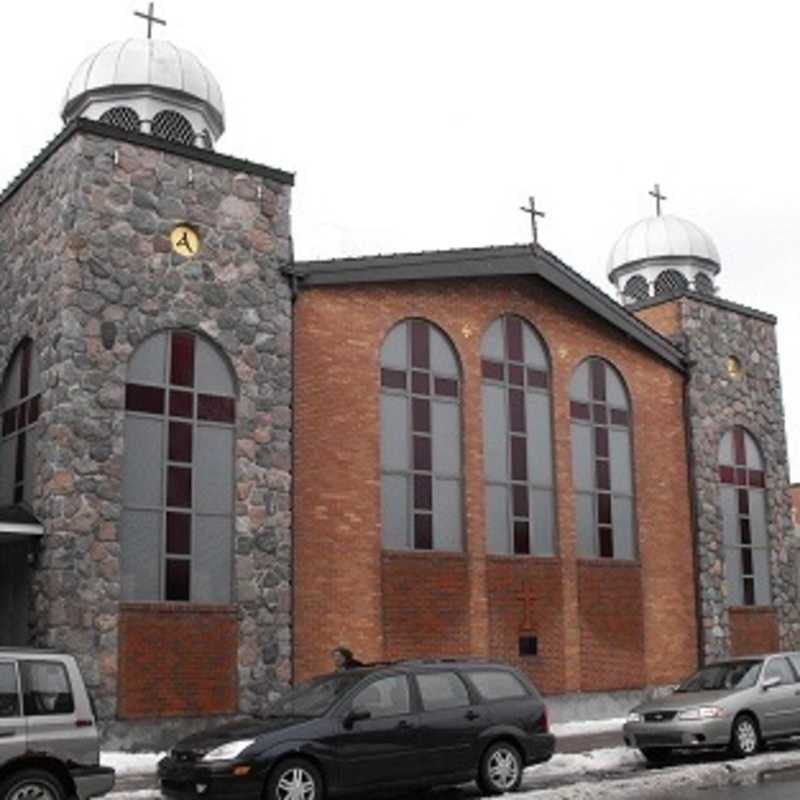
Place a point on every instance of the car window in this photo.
(387, 697)
(313, 698)
(46, 689)
(442, 690)
(779, 668)
(9, 693)
(727, 675)
(497, 685)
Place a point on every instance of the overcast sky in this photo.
(426, 123)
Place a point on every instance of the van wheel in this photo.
(32, 784)
(295, 779)
(500, 769)
(745, 737)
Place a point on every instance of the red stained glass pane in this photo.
(747, 561)
(147, 399)
(445, 387)
(744, 531)
(393, 379)
(600, 413)
(179, 487)
(726, 474)
(738, 447)
(9, 420)
(420, 383)
(182, 360)
(606, 542)
(423, 532)
(19, 467)
(757, 478)
(537, 378)
(420, 353)
(514, 339)
(180, 441)
(516, 374)
(603, 472)
(744, 501)
(741, 476)
(578, 410)
(215, 409)
(492, 370)
(180, 404)
(749, 592)
(604, 509)
(177, 580)
(423, 492)
(519, 459)
(33, 409)
(421, 415)
(598, 379)
(516, 410)
(519, 500)
(422, 454)
(619, 417)
(601, 442)
(179, 533)
(522, 539)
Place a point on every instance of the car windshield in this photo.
(314, 698)
(718, 677)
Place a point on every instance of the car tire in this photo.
(32, 783)
(745, 736)
(656, 755)
(500, 769)
(295, 777)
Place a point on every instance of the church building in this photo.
(217, 463)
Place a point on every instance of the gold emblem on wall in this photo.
(734, 367)
(185, 241)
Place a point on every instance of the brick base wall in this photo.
(753, 630)
(177, 661)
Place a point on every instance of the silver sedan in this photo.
(737, 704)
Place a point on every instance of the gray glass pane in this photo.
(761, 567)
(499, 539)
(447, 514)
(492, 343)
(581, 441)
(211, 559)
(726, 449)
(211, 371)
(7, 449)
(394, 352)
(622, 522)
(579, 385)
(140, 555)
(730, 515)
(213, 467)
(758, 518)
(446, 439)
(615, 393)
(495, 433)
(584, 525)
(620, 453)
(143, 462)
(31, 442)
(395, 500)
(733, 575)
(35, 380)
(532, 348)
(11, 383)
(543, 522)
(443, 360)
(752, 455)
(149, 362)
(395, 429)
(540, 458)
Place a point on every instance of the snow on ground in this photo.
(131, 763)
(588, 727)
(611, 759)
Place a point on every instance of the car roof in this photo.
(5, 650)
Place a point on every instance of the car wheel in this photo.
(500, 769)
(745, 737)
(32, 784)
(295, 779)
(657, 755)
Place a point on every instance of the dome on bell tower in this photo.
(151, 86)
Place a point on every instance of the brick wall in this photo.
(795, 491)
(344, 592)
(664, 317)
(753, 631)
(160, 671)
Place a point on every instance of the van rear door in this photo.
(12, 723)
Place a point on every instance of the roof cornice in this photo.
(712, 300)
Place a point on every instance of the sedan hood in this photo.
(678, 700)
(203, 742)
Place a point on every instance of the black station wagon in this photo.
(404, 725)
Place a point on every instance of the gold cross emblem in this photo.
(185, 241)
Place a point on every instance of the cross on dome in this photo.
(659, 197)
(151, 18)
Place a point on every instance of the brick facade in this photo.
(753, 630)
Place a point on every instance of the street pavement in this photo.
(784, 785)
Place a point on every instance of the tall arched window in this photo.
(517, 440)
(744, 519)
(601, 462)
(420, 439)
(178, 473)
(20, 396)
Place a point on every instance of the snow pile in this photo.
(588, 728)
(131, 763)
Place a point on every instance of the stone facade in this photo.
(88, 273)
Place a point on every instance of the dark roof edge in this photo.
(728, 305)
(82, 125)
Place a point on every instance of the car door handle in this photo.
(470, 715)
(6, 734)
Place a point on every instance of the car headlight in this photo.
(700, 713)
(228, 751)
(634, 716)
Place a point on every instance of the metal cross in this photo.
(659, 197)
(534, 213)
(151, 18)
(527, 598)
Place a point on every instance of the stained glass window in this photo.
(517, 439)
(177, 523)
(420, 439)
(744, 519)
(601, 462)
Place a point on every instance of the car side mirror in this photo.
(771, 683)
(356, 715)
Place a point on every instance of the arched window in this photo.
(420, 439)
(122, 117)
(173, 126)
(601, 462)
(20, 397)
(178, 475)
(636, 288)
(670, 281)
(744, 519)
(517, 439)
(703, 284)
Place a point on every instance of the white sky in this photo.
(425, 124)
